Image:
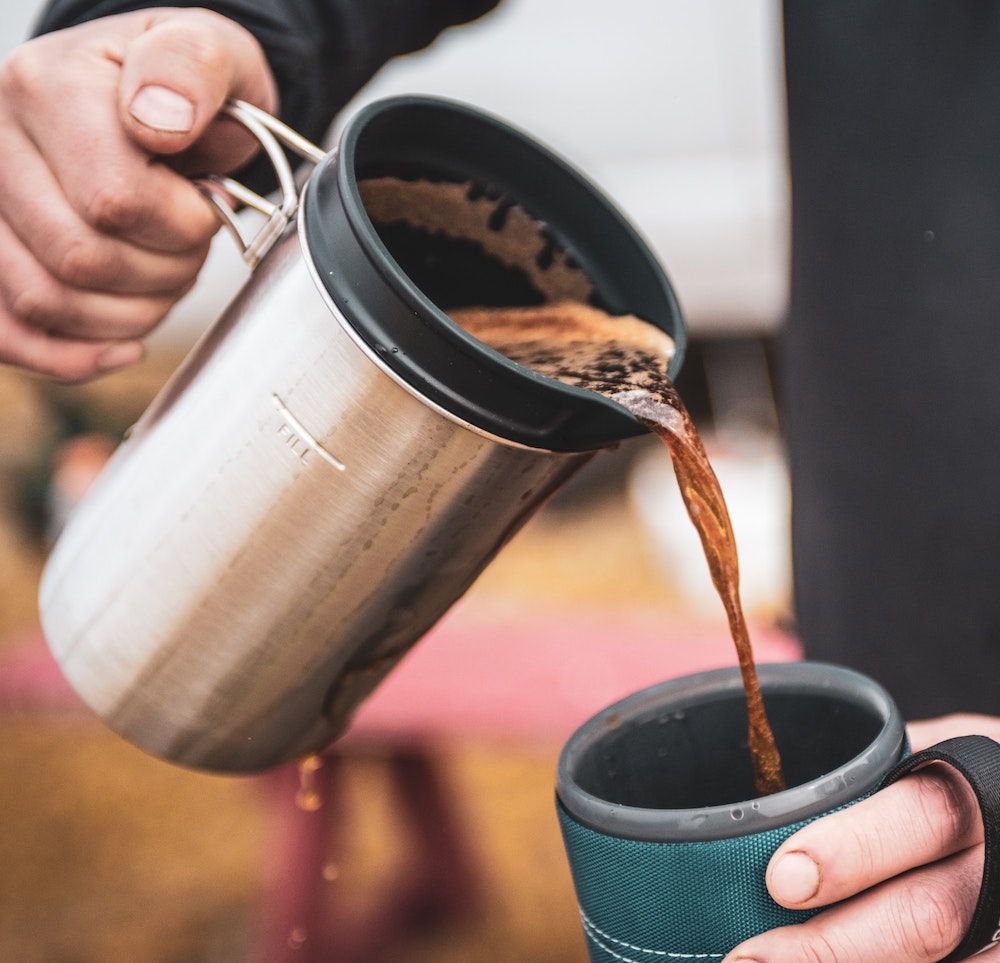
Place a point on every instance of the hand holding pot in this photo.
(96, 242)
(906, 862)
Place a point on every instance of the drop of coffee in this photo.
(308, 797)
(627, 360)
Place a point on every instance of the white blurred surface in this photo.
(16, 18)
(754, 479)
(674, 108)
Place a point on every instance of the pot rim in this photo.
(414, 338)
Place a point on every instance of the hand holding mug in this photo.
(673, 857)
(904, 868)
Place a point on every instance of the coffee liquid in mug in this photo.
(626, 360)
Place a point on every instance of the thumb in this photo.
(177, 72)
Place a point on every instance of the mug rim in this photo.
(846, 783)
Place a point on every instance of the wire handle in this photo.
(271, 133)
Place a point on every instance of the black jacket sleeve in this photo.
(321, 51)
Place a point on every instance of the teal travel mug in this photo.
(667, 839)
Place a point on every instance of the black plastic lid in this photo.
(440, 140)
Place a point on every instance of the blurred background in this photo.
(436, 835)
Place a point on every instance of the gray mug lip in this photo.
(848, 782)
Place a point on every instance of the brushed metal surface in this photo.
(282, 524)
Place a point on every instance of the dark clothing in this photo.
(893, 343)
(321, 51)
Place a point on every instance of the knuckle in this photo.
(33, 305)
(196, 37)
(76, 261)
(33, 355)
(928, 920)
(948, 805)
(114, 205)
(23, 70)
(866, 848)
(819, 950)
(48, 307)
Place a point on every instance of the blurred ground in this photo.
(108, 855)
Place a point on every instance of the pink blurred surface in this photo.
(538, 676)
(482, 673)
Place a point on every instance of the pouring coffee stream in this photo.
(625, 359)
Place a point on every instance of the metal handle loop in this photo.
(271, 133)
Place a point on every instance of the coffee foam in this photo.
(575, 343)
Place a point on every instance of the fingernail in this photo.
(162, 109)
(794, 878)
(120, 355)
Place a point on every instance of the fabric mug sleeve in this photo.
(977, 759)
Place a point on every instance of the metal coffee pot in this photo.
(336, 461)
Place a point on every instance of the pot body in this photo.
(273, 535)
(315, 486)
